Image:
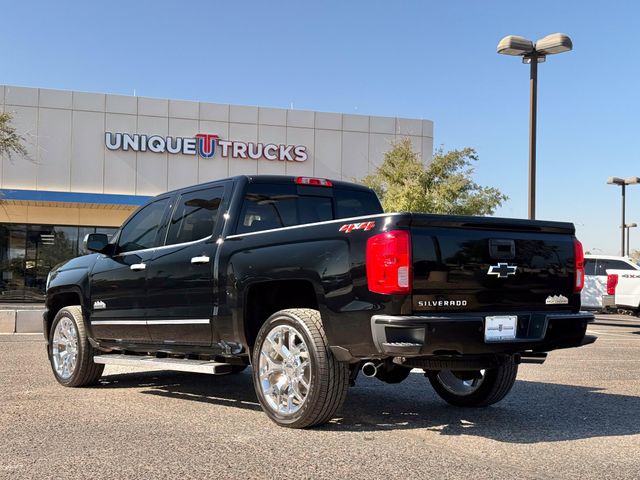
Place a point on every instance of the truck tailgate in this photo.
(477, 264)
(627, 290)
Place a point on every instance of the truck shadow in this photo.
(533, 412)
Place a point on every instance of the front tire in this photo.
(298, 381)
(70, 353)
(474, 389)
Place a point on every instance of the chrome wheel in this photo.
(64, 348)
(457, 384)
(284, 370)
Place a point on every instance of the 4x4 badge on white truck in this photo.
(557, 300)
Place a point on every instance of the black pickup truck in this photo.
(309, 282)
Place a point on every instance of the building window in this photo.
(29, 252)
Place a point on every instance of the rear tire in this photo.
(70, 353)
(458, 388)
(298, 381)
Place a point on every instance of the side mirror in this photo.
(96, 242)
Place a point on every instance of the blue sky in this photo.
(421, 59)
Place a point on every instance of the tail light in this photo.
(612, 283)
(579, 256)
(389, 262)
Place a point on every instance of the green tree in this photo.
(404, 184)
(10, 140)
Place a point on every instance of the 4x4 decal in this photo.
(349, 227)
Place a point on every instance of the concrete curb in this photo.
(21, 321)
(7, 321)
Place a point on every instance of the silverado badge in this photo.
(99, 305)
(502, 270)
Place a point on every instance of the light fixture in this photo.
(533, 53)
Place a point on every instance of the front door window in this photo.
(141, 231)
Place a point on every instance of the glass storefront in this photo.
(28, 252)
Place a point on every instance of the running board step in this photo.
(178, 364)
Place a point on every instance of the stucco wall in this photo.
(65, 138)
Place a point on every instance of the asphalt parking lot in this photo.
(576, 416)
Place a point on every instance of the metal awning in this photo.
(45, 198)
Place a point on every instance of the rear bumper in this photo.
(414, 336)
(608, 301)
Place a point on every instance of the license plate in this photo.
(500, 328)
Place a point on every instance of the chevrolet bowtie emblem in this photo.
(502, 270)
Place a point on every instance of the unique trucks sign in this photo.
(205, 145)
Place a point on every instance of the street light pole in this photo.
(624, 189)
(623, 182)
(533, 113)
(534, 53)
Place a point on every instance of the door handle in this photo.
(138, 266)
(200, 260)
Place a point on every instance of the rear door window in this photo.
(195, 215)
(605, 265)
(600, 268)
(590, 266)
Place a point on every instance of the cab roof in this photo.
(277, 179)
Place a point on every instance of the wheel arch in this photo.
(58, 299)
(263, 299)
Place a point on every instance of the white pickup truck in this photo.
(623, 289)
(594, 295)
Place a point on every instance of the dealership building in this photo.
(92, 158)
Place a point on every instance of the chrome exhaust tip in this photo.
(369, 369)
